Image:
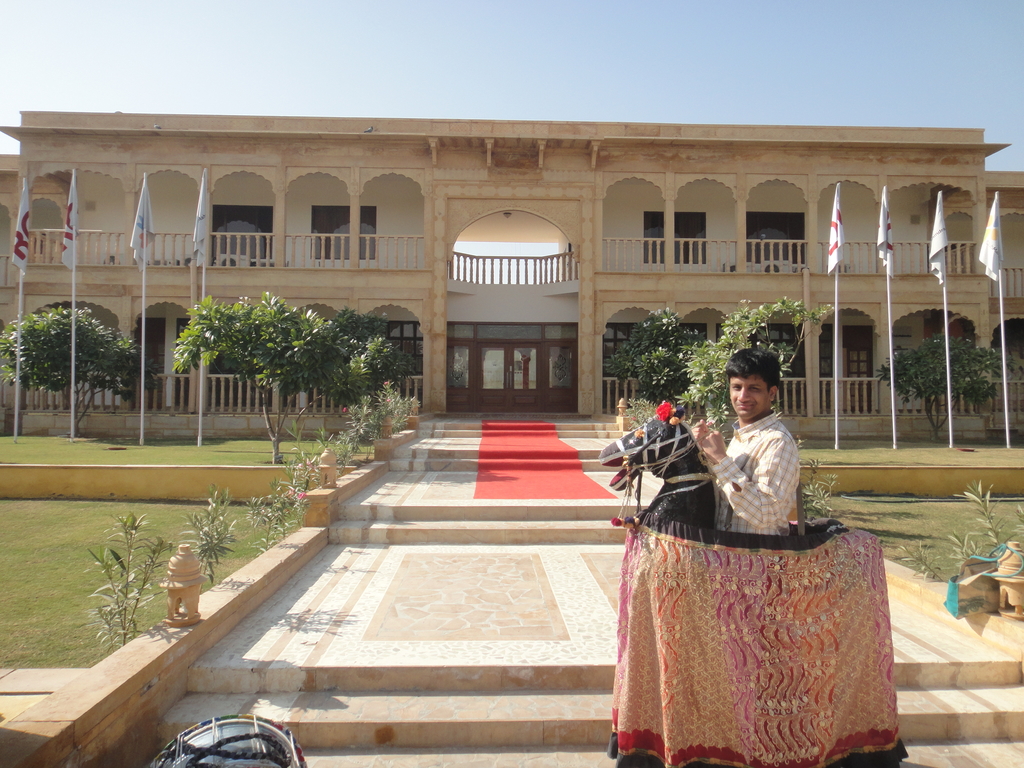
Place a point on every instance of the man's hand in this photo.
(710, 441)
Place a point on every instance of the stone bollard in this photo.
(386, 428)
(183, 583)
(620, 418)
(414, 417)
(328, 469)
(1010, 576)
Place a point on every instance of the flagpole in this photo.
(200, 235)
(74, 305)
(142, 356)
(17, 364)
(892, 355)
(71, 233)
(836, 337)
(1006, 386)
(949, 370)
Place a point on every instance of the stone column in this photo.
(741, 222)
(435, 336)
(131, 184)
(589, 367)
(280, 218)
(430, 359)
(811, 225)
(669, 193)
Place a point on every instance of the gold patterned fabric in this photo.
(755, 651)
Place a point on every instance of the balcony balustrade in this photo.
(339, 252)
(513, 270)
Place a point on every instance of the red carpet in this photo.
(526, 460)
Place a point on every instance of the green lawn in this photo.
(48, 575)
(912, 454)
(57, 450)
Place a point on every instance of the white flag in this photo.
(70, 255)
(992, 246)
(937, 253)
(142, 235)
(885, 250)
(835, 237)
(20, 256)
(201, 234)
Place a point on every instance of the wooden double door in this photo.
(532, 373)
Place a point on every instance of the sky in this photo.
(907, 63)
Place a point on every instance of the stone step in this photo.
(408, 720)
(446, 719)
(469, 464)
(206, 677)
(453, 512)
(450, 532)
(410, 758)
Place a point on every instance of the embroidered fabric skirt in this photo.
(753, 651)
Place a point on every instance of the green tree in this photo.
(921, 374)
(656, 355)
(105, 361)
(283, 352)
(746, 326)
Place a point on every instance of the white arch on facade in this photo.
(174, 196)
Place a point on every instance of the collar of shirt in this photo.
(743, 434)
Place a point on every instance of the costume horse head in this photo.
(667, 450)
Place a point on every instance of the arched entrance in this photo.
(513, 313)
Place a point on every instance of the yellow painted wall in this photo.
(36, 481)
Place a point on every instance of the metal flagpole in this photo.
(17, 364)
(892, 355)
(71, 251)
(836, 336)
(1006, 386)
(142, 356)
(949, 369)
(199, 245)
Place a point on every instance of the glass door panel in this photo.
(492, 361)
(458, 367)
(524, 368)
(559, 367)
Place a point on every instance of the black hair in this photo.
(755, 362)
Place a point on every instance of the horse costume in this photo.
(738, 649)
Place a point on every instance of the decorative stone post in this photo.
(1010, 576)
(328, 469)
(386, 428)
(414, 417)
(183, 584)
(620, 415)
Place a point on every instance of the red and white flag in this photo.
(937, 252)
(885, 249)
(20, 257)
(835, 237)
(70, 255)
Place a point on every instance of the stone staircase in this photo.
(437, 630)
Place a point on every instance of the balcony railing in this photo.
(1013, 284)
(908, 258)
(647, 254)
(173, 394)
(857, 397)
(513, 270)
(785, 256)
(338, 252)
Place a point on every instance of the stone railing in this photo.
(908, 258)
(776, 256)
(857, 397)
(1013, 284)
(339, 252)
(225, 394)
(513, 270)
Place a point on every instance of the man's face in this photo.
(751, 398)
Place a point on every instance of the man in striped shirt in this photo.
(758, 474)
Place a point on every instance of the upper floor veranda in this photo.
(316, 193)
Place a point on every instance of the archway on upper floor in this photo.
(860, 227)
(704, 229)
(1012, 228)
(776, 227)
(174, 197)
(391, 205)
(46, 214)
(318, 203)
(633, 208)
